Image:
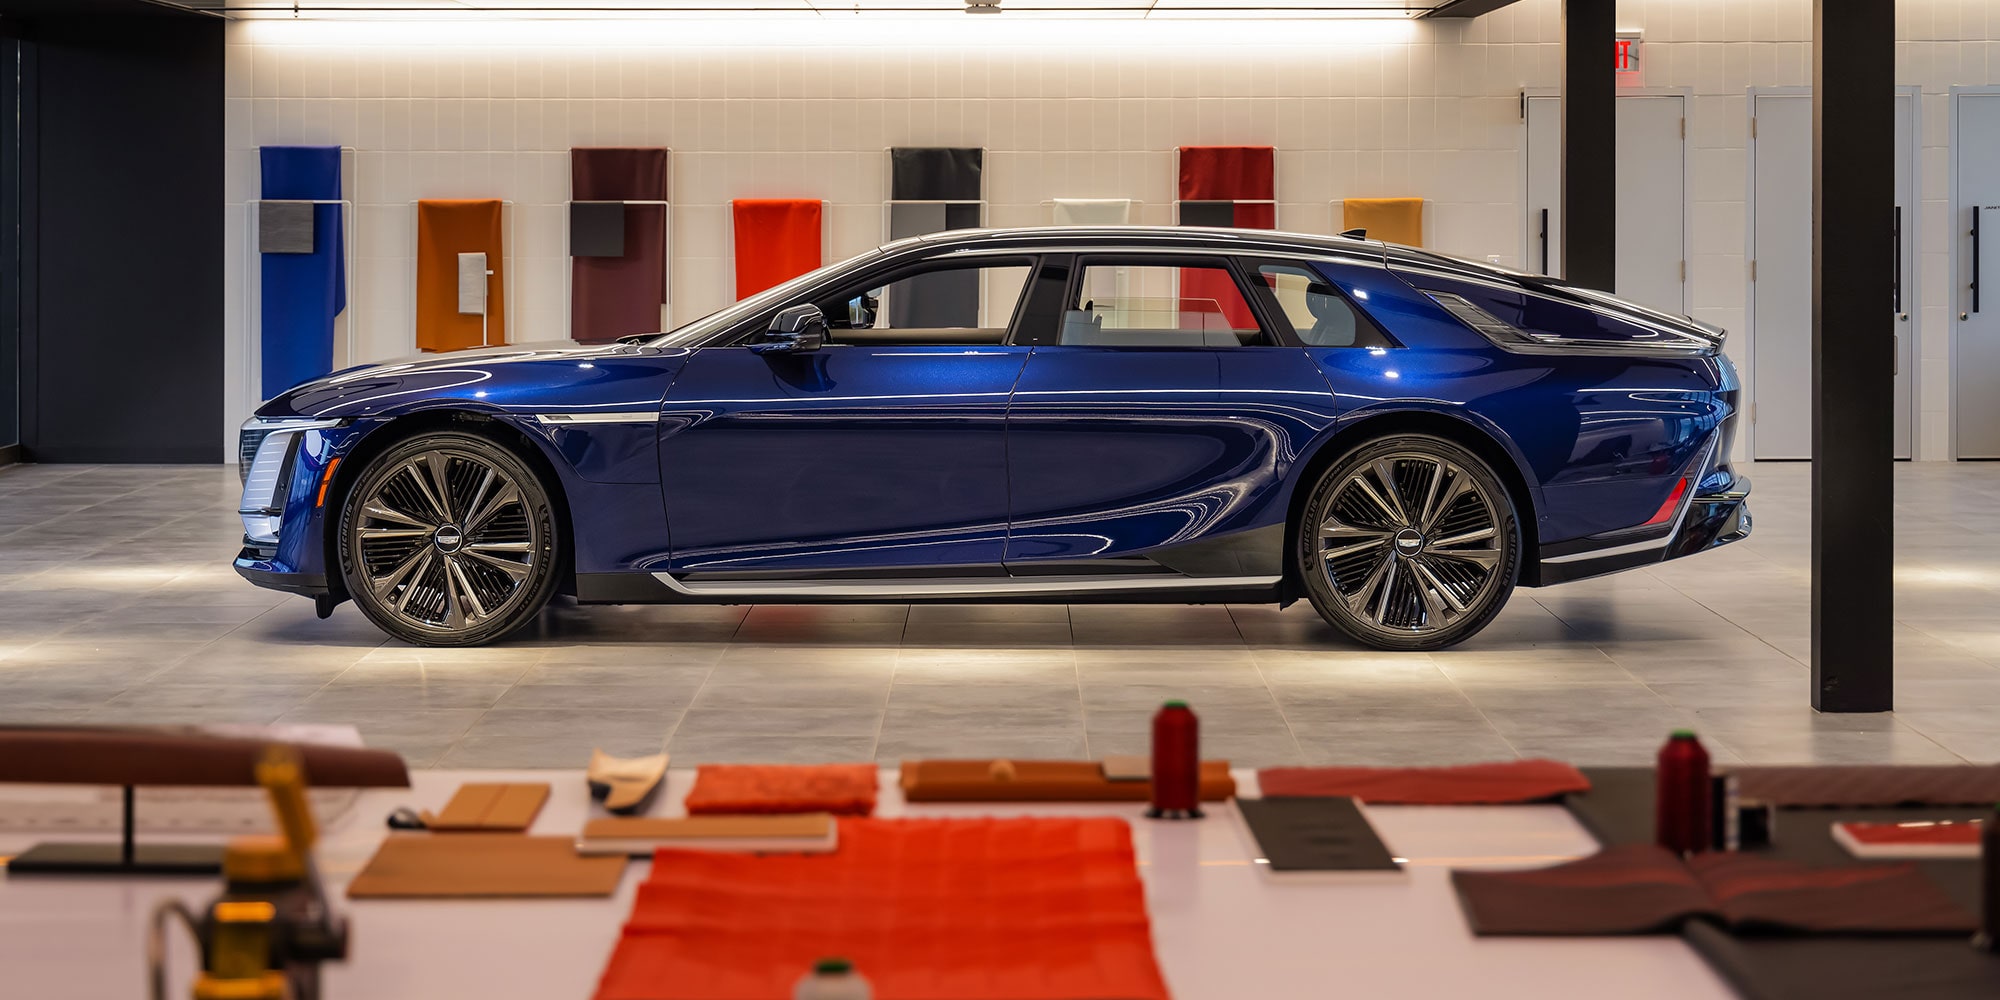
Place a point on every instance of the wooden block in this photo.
(460, 865)
(491, 806)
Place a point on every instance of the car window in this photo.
(1158, 305)
(1319, 315)
(945, 304)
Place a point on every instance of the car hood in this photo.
(504, 378)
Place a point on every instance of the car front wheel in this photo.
(448, 539)
(1409, 542)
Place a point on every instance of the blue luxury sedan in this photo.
(1169, 415)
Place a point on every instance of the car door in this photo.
(1152, 431)
(883, 452)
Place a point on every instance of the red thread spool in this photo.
(1683, 795)
(1176, 763)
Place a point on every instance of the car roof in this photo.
(1192, 237)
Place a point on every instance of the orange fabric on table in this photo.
(1392, 220)
(445, 229)
(840, 789)
(777, 239)
(1496, 783)
(927, 909)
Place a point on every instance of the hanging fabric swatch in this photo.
(933, 189)
(1093, 211)
(777, 239)
(302, 292)
(1231, 186)
(1394, 220)
(620, 293)
(447, 228)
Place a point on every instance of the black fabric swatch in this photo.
(935, 173)
(597, 229)
(1315, 835)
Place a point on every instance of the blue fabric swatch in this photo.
(303, 292)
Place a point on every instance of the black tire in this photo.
(1409, 542)
(449, 539)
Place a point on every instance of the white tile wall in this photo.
(1064, 109)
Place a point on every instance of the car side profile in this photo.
(1168, 415)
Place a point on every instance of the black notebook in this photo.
(1314, 835)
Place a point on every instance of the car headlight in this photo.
(266, 448)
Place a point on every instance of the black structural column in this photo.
(1854, 174)
(1589, 144)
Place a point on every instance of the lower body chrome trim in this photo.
(969, 588)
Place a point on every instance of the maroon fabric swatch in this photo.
(1640, 889)
(1228, 173)
(612, 297)
(1756, 893)
(1464, 784)
(1871, 785)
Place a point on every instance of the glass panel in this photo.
(1319, 315)
(1143, 305)
(949, 305)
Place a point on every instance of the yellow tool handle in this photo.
(281, 774)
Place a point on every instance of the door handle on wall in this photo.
(1975, 261)
(1897, 284)
(1545, 241)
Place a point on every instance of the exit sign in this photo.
(1626, 62)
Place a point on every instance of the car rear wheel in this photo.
(448, 539)
(1409, 542)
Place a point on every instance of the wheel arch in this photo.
(1360, 430)
(402, 428)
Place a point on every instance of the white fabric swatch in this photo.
(1093, 211)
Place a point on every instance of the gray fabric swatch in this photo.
(285, 227)
(597, 229)
(472, 284)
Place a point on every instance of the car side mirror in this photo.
(795, 330)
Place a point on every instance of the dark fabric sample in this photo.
(941, 299)
(597, 229)
(612, 297)
(284, 227)
(1871, 785)
(1221, 214)
(1317, 834)
(302, 293)
(1465, 784)
(1637, 889)
(1227, 173)
(618, 293)
(1640, 888)
(935, 173)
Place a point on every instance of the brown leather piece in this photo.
(457, 865)
(504, 806)
(1495, 783)
(1040, 781)
(166, 755)
(1871, 785)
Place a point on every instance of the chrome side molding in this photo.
(612, 417)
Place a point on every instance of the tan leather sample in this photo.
(491, 806)
(625, 784)
(168, 755)
(1040, 781)
(449, 865)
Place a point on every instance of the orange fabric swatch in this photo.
(927, 909)
(777, 239)
(445, 229)
(841, 789)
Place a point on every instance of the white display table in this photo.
(1221, 927)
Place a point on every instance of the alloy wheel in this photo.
(1411, 543)
(445, 541)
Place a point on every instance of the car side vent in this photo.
(247, 441)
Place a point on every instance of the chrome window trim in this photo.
(951, 588)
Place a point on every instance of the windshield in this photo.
(698, 332)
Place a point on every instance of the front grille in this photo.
(247, 441)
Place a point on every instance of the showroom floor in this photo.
(117, 604)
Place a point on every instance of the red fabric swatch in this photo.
(1464, 784)
(1228, 173)
(734, 789)
(777, 239)
(930, 909)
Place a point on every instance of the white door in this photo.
(1781, 285)
(1652, 209)
(1976, 291)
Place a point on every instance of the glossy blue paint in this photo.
(904, 460)
(848, 456)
